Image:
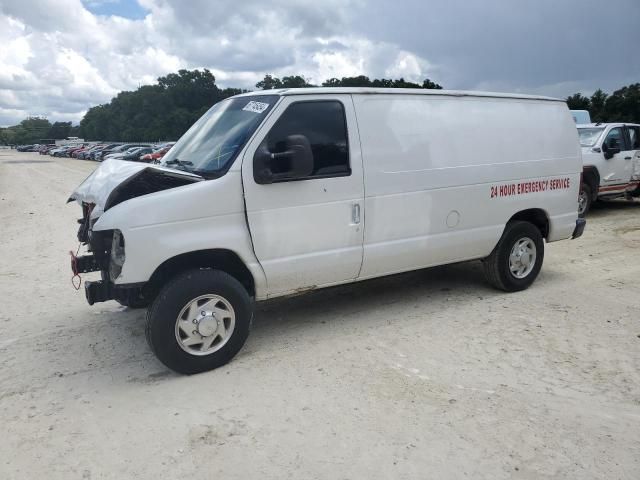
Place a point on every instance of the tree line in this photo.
(165, 110)
(34, 129)
(623, 105)
(297, 81)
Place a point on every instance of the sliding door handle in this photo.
(355, 213)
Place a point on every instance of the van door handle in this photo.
(627, 158)
(355, 213)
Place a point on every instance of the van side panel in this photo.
(443, 175)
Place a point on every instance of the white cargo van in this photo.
(611, 157)
(581, 116)
(280, 192)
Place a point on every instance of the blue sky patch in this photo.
(122, 8)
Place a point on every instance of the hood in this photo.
(116, 181)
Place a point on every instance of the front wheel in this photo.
(199, 321)
(517, 259)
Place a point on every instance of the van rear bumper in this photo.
(580, 224)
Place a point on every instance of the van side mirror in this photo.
(295, 162)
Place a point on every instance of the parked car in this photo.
(97, 154)
(60, 151)
(28, 148)
(611, 157)
(87, 151)
(155, 155)
(135, 154)
(120, 149)
(265, 197)
(67, 150)
(44, 149)
(74, 152)
(120, 155)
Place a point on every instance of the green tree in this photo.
(162, 111)
(29, 130)
(359, 81)
(578, 101)
(596, 107)
(295, 81)
(364, 81)
(7, 136)
(60, 130)
(623, 105)
(428, 84)
(269, 83)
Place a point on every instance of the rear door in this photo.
(309, 232)
(616, 171)
(633, 134)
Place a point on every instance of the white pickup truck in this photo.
(611, 158)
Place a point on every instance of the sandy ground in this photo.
(430, 374)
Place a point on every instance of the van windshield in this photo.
(213, 142)
(589, 136)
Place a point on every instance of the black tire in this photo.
(174, 296)
(587, 196)
(496, 265)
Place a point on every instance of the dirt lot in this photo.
(430, 374)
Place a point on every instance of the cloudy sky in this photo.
(59, 57)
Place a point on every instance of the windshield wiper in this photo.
(181, 163)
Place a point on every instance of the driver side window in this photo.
(614, 139)
(324, 124)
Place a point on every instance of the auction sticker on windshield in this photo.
(256, 107)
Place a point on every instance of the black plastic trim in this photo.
(580, 224)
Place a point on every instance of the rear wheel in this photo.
(584, 199)
(516, 261)
(199, 321)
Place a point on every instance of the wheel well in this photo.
(535, 216)
(224, 260)
(591, 177)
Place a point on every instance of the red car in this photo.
(157, 155)
(74, 152)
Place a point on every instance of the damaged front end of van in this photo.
(111, 184)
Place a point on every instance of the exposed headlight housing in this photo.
(117, 255)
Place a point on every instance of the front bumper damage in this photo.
(99, 245)
(103, 290)
(112, 183)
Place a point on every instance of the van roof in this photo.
(393, 91)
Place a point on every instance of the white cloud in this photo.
(60, 59)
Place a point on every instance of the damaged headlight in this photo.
(117, 255)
